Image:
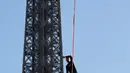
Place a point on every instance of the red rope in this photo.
(73, 32)
(73, 29)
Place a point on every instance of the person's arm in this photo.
(69, 56)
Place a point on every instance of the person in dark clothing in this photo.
(69, 67)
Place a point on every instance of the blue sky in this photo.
(102, 35)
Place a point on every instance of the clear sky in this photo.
(102, 40)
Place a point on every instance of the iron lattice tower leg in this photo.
(43, 41)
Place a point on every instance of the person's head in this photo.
(67, 59)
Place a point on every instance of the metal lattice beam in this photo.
(43, 41)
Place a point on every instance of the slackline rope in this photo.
(73, 33)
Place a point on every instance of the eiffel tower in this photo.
(43, 37)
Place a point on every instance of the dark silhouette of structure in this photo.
(42, 40)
